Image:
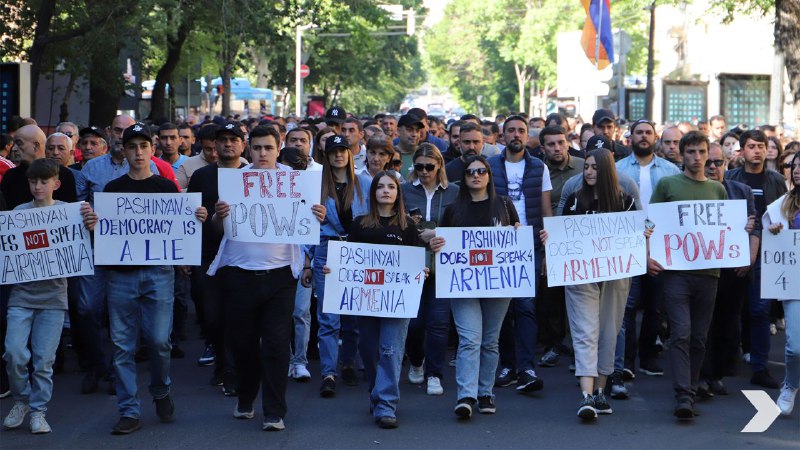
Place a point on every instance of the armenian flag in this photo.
(597, 39)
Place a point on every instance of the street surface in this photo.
(203, 417)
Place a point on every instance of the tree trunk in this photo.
(175, 42)
(522, 75)
(64, 111)
(36, 53)
(787, 39)
(225, 74)
(105, 84)
(531, 96)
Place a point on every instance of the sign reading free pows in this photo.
(486, 262)
(374, 280)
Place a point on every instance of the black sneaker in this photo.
(617, 386)
(208, 356)
(216, 380)
(718, 387)
(651, 368)
(177, 352)
(486, 404)
(230, 387)
(627, 374)
(164, 408)
(684, 410)
(90, 382)
(704, 390)
(550, 359)
(349, 376)
(126, 425)
(586, 409)
(529, 382)
(601, 403)
(273, 423)
(387, 422)
(328, 387)
(463, 408)
(764, 379)
(507, 377)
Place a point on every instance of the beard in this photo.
(642, 151)
(515, 146)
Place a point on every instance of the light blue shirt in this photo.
(661, 168)
(102, 169)
(178, 162)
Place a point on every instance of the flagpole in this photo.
(598, 31)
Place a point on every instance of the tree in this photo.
(787, 34)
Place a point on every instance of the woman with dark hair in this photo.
(786, 166)
(478, 320)
(345, 196)
(774, 151)
(318, 152)
(730, 148)
(785, 213)
(427, 194)
(382, 339)
(596, 310)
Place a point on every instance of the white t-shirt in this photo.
(645, 185)
(515, 172)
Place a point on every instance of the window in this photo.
(685, 101)
(634, 104)
(744, 99)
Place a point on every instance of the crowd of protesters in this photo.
(392, 180)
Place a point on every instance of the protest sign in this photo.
(780, 265)
(44, 243)
(147, 229)
(592, 248)
(374, 280)
(486, 262)
(699, 234)
(271, 206)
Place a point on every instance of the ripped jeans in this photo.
(382, 345)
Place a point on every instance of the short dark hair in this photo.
(467, 117)
(208, 132)
(693, 138)
(265, 130)
(379, 116)
(493, 127)
(717, 117)
(469, 126)
(516, 117)
(770, 128)
(755, 135)
(551, 131)
(166, 126)
(186, 126)
(307, 131)
(457, 123)
(355, 121)
(42, 169)
(555, 117)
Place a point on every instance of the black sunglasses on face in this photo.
(786, 165)
(425, 167)
(715, 162)
(397, 162)
(478, 171)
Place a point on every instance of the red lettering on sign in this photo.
(480, 257)
(35, 239)
(373, 276)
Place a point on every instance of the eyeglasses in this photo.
(786, 165)
(397, 162)
(425, 167)
(715, 162)
(68, 133)
(479, 171)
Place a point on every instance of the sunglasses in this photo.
(715, 162)
(397, 162)
(425, 167)
(786, 165)
(68, 133)
(478, 171)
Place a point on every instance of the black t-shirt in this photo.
(385, 234)
(481, 214)
(344, 211)
(756, 183)
(571, 206)
(455, 170)
(16, 190)
(155, 184)
(205, 180)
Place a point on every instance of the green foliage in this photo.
(733, 8)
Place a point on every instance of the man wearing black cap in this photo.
(410, 133)
(441, 144)
(228, 141)
(604, 123)
(140, 298)
(93, 143)
(334, 118)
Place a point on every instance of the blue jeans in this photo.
(331, 326)
(43, 328)
(759, 322)
(646, 293)
(791, 310)
(478, 322)
(382, 346)
(92, 313)
(302, 323)
(140, 300)
(427, 333)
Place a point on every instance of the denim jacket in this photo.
(332, 227)
(661, 168)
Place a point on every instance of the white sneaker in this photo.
(291, 370)
(435, 386)
(301, 373)
(38, 423)
(773, 329)
(746, 358)
(416, 374)
(786, 400)
(781, 324)
(16, 416)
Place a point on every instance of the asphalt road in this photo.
(547, 419)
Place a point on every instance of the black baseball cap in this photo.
(599, 141)
(336, 141)
(94, 131)
(419, 112)
(335, 114)
(138, 129)
(602, 114)
(410, 120)
(231, 127)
